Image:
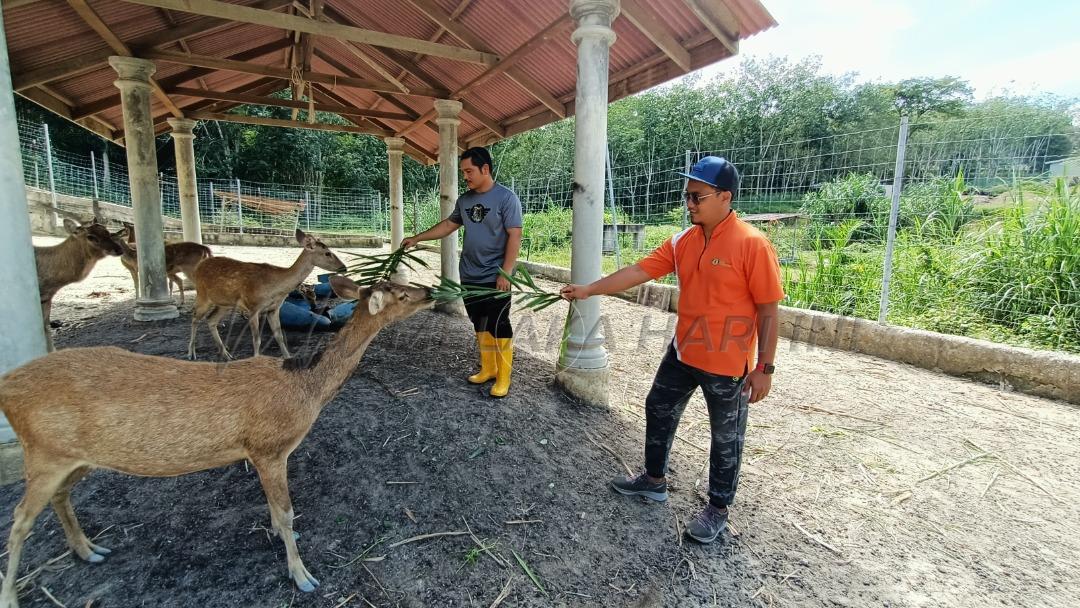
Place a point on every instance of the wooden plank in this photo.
(411, 147)
(244, 67)
(95, 22)
(235, 12)
(246, 98)
(291, 124)
(712, 22)
(98, 59)
(185, 76)
(646, 21)
(538, 40)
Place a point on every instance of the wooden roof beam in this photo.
(292, 124)
(90, 61)
(523, 79)
(246, 98)
(244, 67)
(185, 76)
(646, 21)
(411, 147)
(245, 14)
(95, 22)
(51, 103)
(719, 20)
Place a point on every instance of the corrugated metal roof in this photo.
(502, 26)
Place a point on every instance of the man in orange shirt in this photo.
(729, 290)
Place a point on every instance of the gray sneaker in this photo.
(641, 486)
(708, 524)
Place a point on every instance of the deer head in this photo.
(95, 235)
(387, 301)
(320, 253)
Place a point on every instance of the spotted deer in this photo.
(69, 262)
(222, 284)
(258, 409)
(179, 257)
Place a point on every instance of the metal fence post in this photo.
(239, 207)
(53, 217)
(614, 212)
(307, 210)
(685, 210)
(898, 182)
(93, 173)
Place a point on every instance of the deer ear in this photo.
(376, 301)
(70, 225)
(344, 287)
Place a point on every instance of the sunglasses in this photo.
(695, 198)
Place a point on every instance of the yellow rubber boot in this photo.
(488, 354)
(504, 365)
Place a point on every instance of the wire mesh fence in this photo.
(986, 243)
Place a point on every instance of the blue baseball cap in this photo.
(717, 172)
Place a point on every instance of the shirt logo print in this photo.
(478, 212)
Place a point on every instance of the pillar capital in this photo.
(394, 145)
(182, 127)
(448, 111)
(132, 70)
(594, 19)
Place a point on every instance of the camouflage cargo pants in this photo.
(672, 387)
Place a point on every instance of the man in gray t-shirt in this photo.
(491, 214)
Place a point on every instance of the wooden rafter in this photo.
(246, 98)
(411, 147)
(96, 59)
(56, 106)
(293, 124)
(524, 80)
(719, 20)
(245, 14)
(95, 22)
(646, 21)
(185, 76)
(245, 67)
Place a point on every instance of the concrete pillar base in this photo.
(588, 386)
(11, 463)
(455, 308)
(156, 310)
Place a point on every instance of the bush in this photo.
(855, 197)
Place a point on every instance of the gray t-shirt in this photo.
(485, 216)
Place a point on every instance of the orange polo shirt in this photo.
(720, 286)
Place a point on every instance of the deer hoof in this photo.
(95, 558)
(295, 535)
(100, 550)
(307, 585)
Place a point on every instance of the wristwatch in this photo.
(765, 368)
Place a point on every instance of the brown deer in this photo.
(258, 409)
(222, 284)
(70, 262)
(179, 257)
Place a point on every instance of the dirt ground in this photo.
(847, 498)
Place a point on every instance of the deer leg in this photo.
(76, 538)
(42, 482)
(273, 473)
(212, 322)
(197, 314)
(175, 279)
(275, 326)
(256, 332)
(46, 311)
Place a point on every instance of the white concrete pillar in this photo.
(21, 335)
(154, 302)
(582, 369)
(448, 122)
(395, 149)
(183, 134)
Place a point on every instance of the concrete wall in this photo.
(1043, 373)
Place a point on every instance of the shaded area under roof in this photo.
(510, 62)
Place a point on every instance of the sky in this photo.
(1019, 47)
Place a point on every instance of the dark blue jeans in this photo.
(672, 387)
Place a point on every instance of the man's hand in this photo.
(575, 292)
(410, 242)
(502, 283)
(759, 383)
